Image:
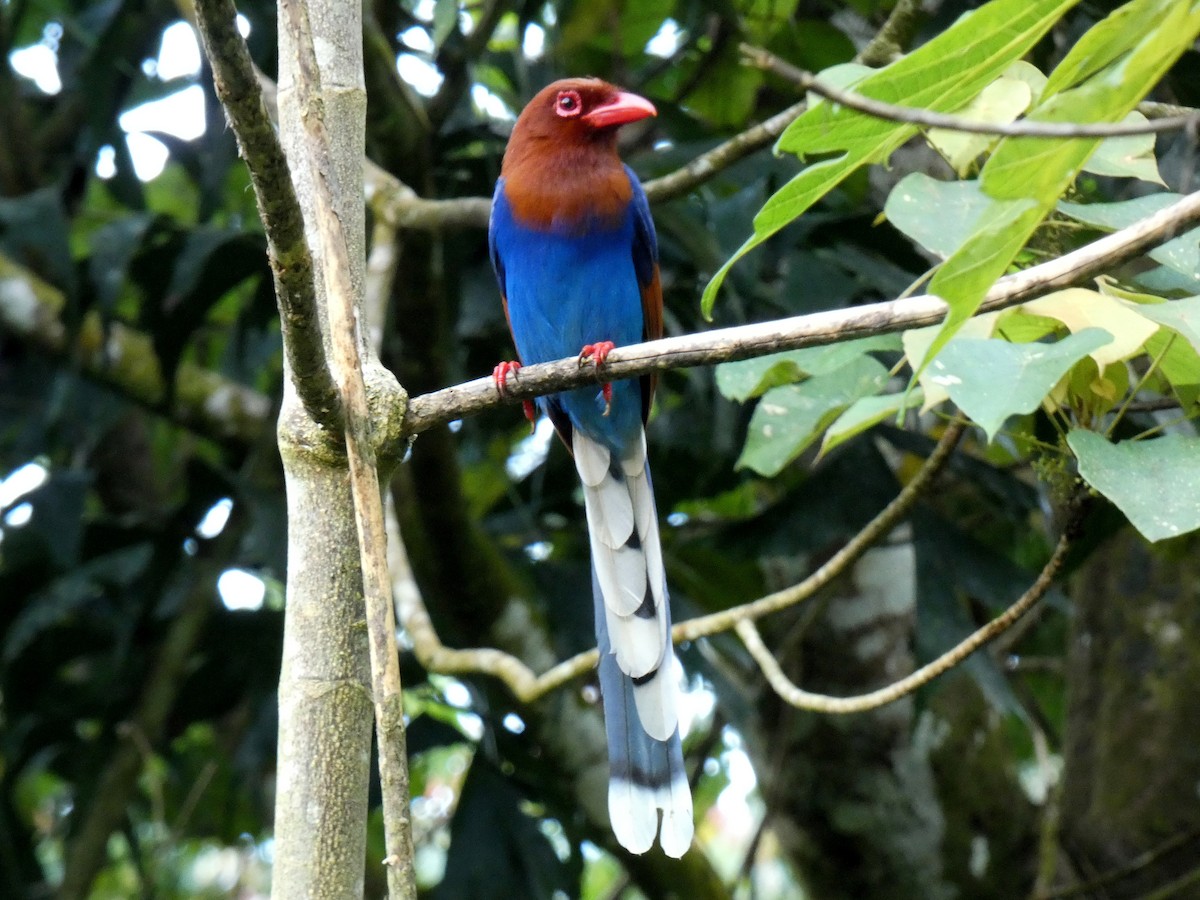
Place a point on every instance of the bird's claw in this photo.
(598, 353)
(500, 378)
(501, 372)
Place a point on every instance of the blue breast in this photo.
(568, 290)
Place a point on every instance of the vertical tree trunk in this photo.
(853, 798)
(325, 708)
(1132, 749)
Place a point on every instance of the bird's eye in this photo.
(568, 104)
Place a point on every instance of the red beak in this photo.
(621, 110)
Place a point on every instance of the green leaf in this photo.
(1106, 41)
(1155, 483)
(1025, 176)
(938, 215)
(789, 418)
(942, 75)
(1127, 157)
(916, 345)
(1181, 254)
(747, 378)
(992, 379)
(867, 412)
(1182, 316)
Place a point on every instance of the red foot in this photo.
(598, 353)
(500, 379)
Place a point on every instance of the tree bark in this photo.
(325, 710)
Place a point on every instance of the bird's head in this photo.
(577, 111)
(561, 168)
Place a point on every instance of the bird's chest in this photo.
(565, 291)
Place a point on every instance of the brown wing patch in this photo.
(652, 330)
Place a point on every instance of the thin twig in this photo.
(878, 109)
(796, 696)
(238, 89)
(1135, 865)
(360, 452)
(831, 326)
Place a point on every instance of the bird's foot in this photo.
(598, 353)
(500, 378)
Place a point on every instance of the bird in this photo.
(575, 253)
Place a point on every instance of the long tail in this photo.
(637, 663)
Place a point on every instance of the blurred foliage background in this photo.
(142, 525)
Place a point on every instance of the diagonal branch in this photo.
(238, 89)
(745, 341)
(796, 696)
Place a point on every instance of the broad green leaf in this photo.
(1181, 254)
(938, 215)
(998, 103)
(1026, 176)
(1165, 281)
(789, 418)
(748, 378)
(1127, 157)
(1080, 309)
(916, 345)
(866, 412)
(992, 379)
(1106, 41)
(1182, 316)
(942, 75)
(1156, 483)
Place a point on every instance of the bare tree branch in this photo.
(238, 89)
(345, 343)
(790, 693)
(815, 329)
(806, 81)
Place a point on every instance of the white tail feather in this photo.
(677, 825)
(655, 700)
(622, 574)
(633, 811)
(637, 643)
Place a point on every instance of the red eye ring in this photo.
(568, 104)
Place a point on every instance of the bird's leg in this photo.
(598, 352)
(500, 379)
